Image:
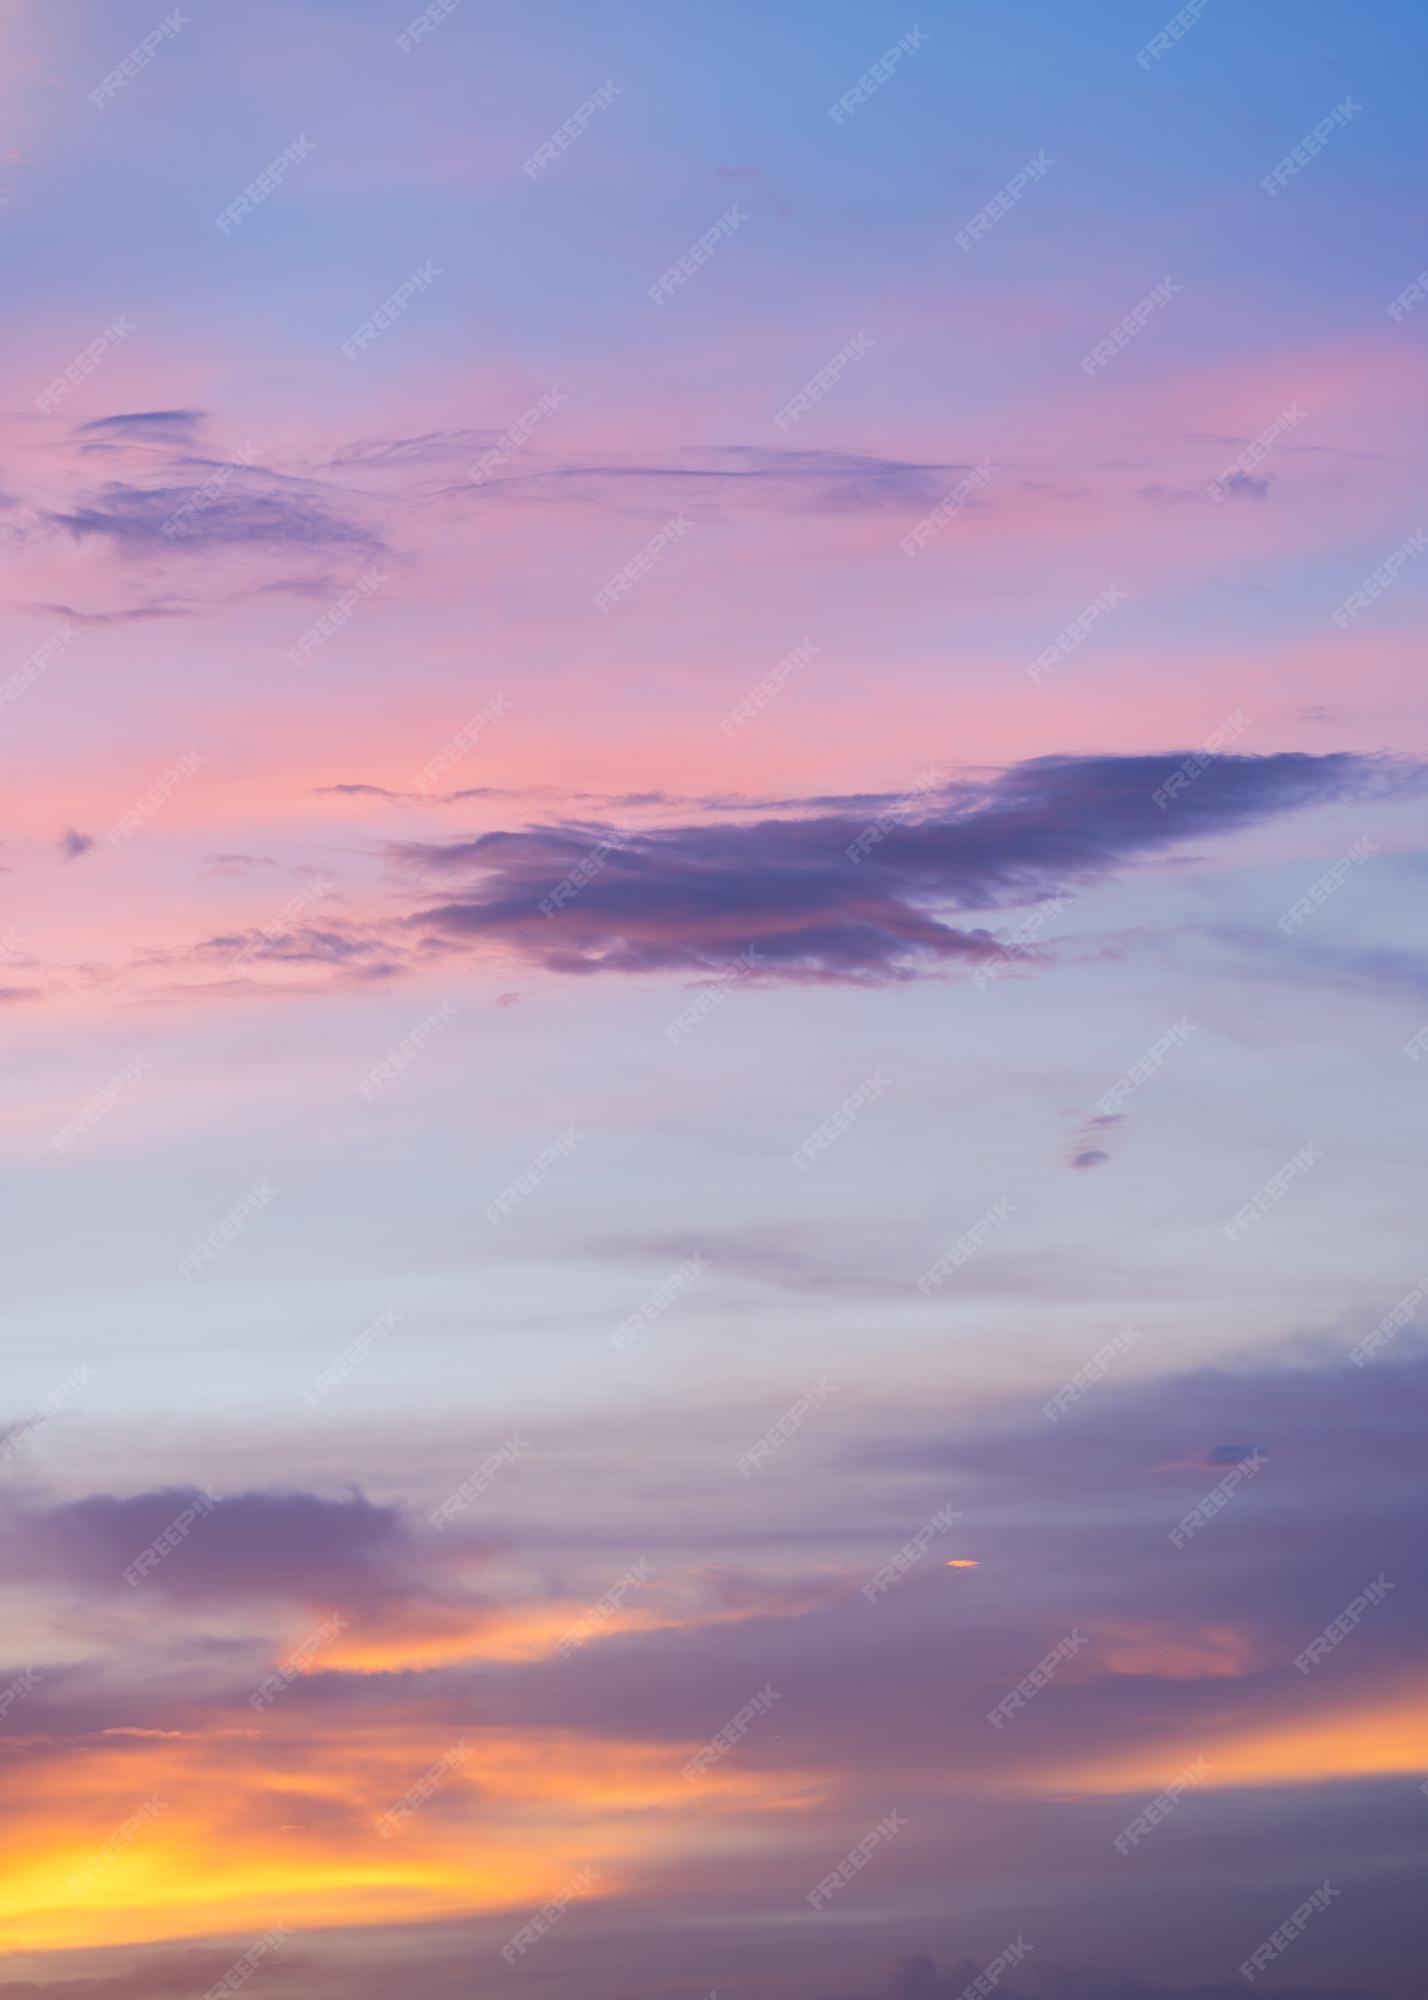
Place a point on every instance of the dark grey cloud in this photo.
(250, 510)
(430, 448)
(834, 896)
(72, 843)
(145, 427)
(131, 615)
(302, 944)
(1245, 486)
(1089, 1146)
(245, 1546)
(828, 480)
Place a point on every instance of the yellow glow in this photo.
(531, 1631)
(1372, 1742)
(282, 1823)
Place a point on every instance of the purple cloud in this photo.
(835, 896)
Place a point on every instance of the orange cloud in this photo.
(1379, 1741)
(145, 1836)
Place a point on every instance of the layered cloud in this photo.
(926, 1689)
(813, 1546)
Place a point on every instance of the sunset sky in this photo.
(715, 843)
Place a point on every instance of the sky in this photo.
(714, 864)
